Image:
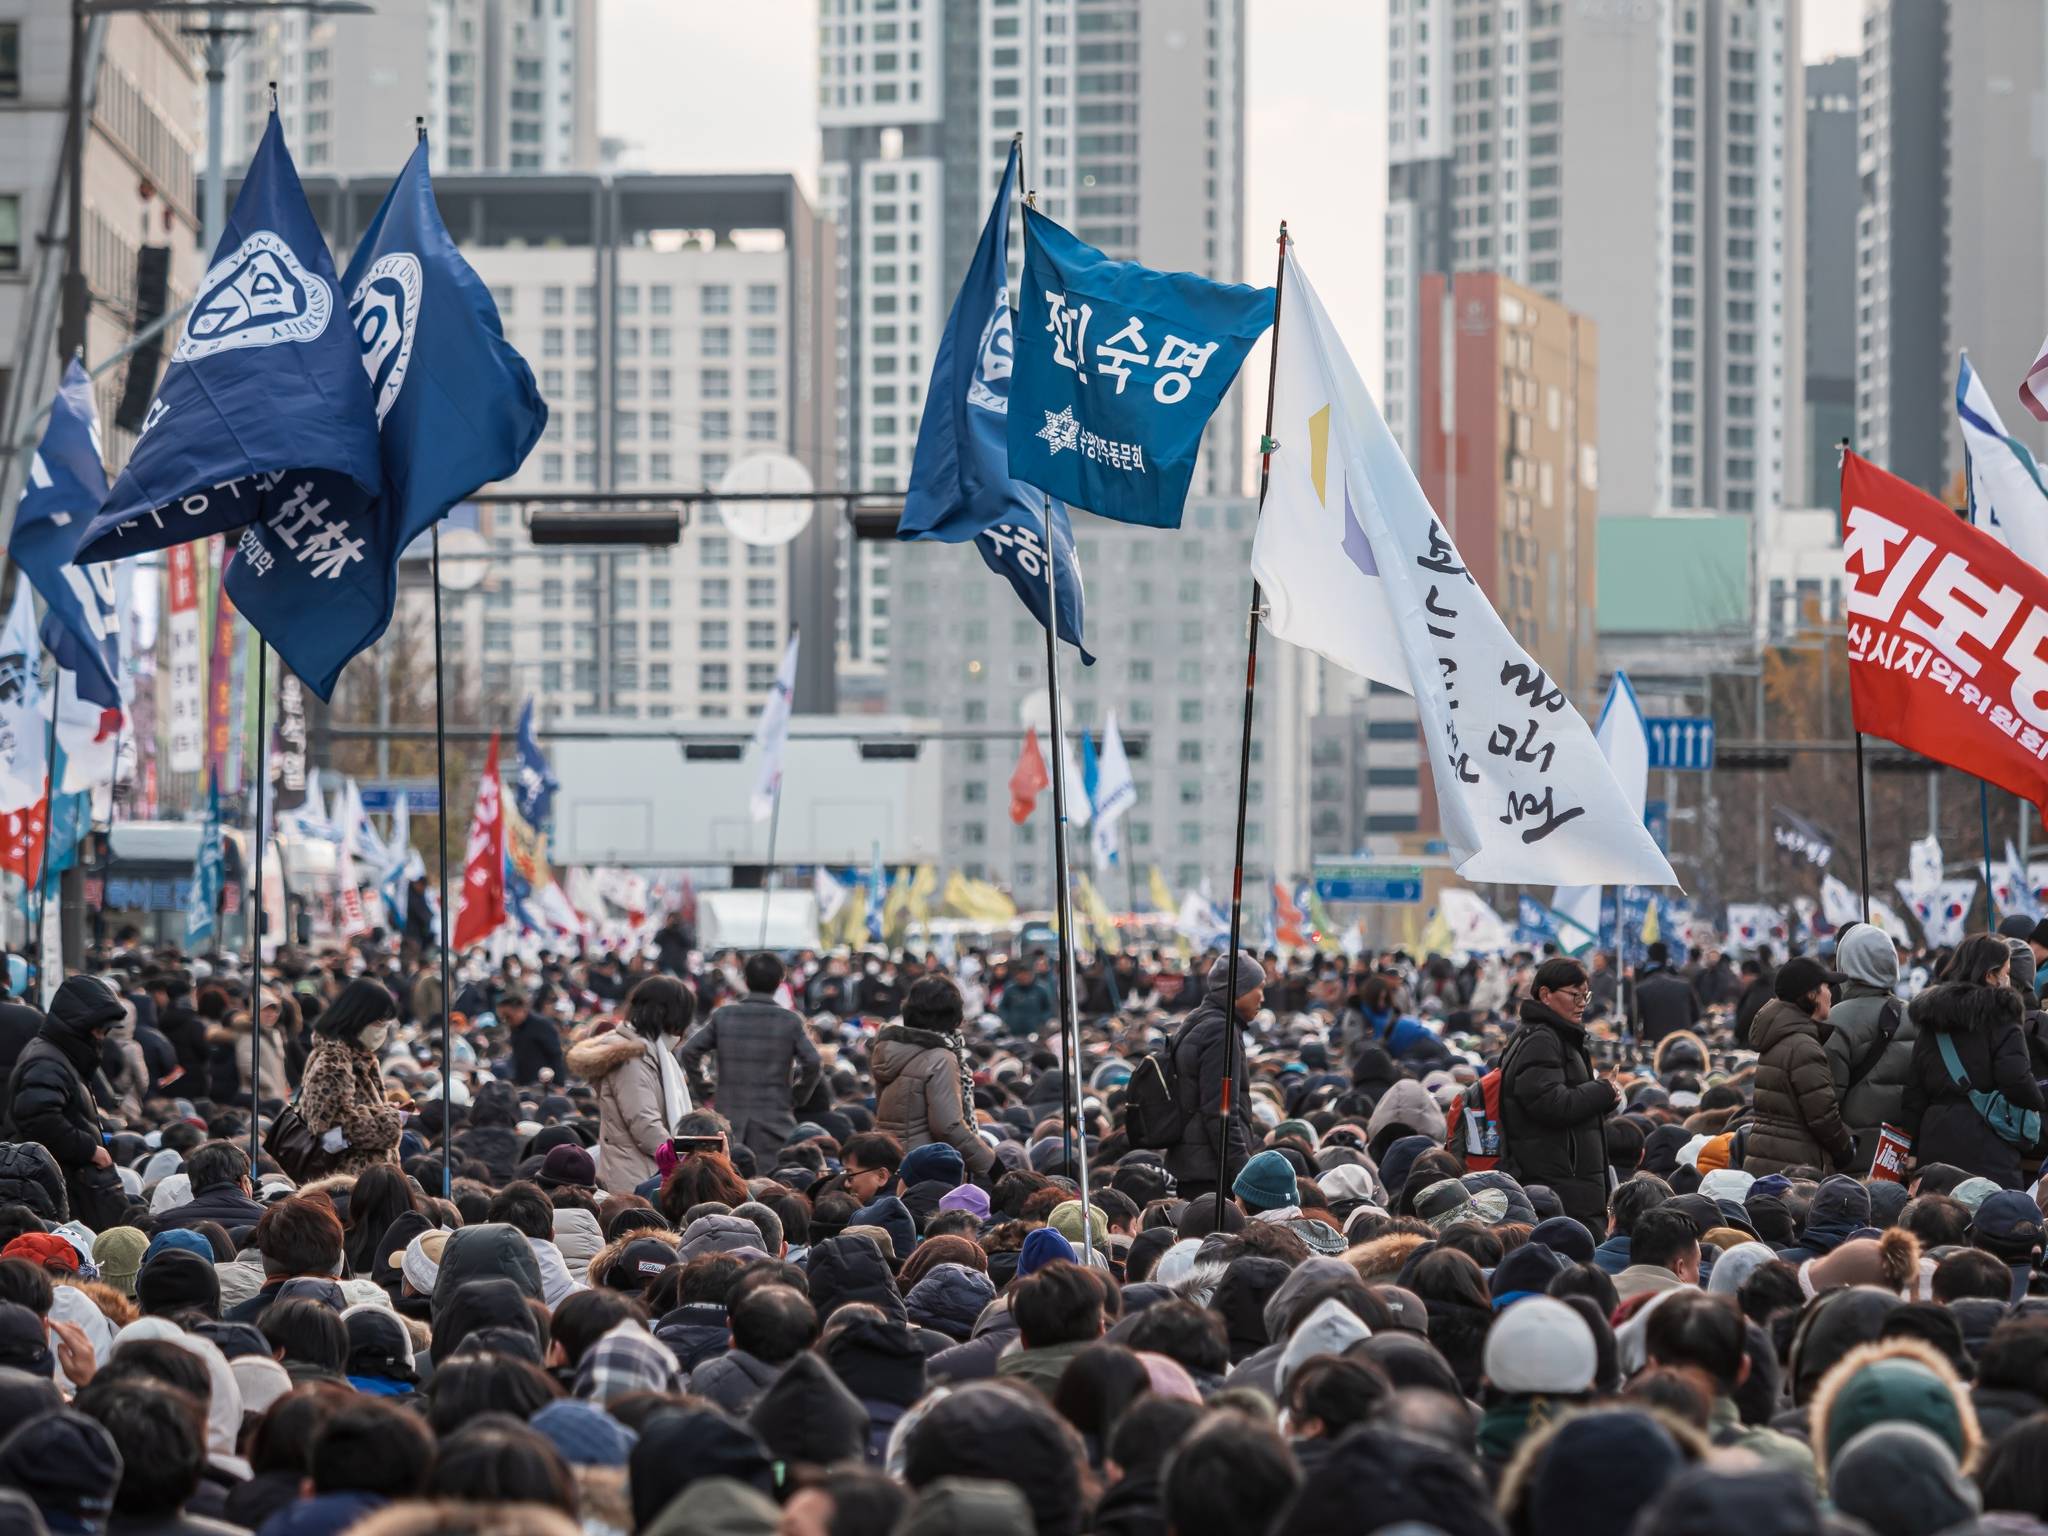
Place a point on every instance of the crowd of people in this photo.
(675, 1244)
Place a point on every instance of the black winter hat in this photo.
(1565, 1235)
(808, 1415)
(175, 1280)
(69, 1465)
(1704, 1501)
(1530, 1268)
(24, 1342)
(679, 1446)
(1396, 1477)
(24, 1397)
(1006, 1434)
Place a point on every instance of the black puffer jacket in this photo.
(49, 1099)
(1554, 1113)
(1984, 1023)
(1198, 1047)
(1798, 1118)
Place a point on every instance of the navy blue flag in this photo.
(66, 484)
(534, 799)
(264, 423)
(1015, 550)
(456, 408)
(1118, 369)
(960, 485)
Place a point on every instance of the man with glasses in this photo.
(1554, 1107)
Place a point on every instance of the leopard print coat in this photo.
(343, 1087)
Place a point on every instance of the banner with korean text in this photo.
(1948, 634)
(188, 706)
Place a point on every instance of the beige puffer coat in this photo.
(620, 1065)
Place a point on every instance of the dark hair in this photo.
(1099, 1383)
(381, 1195)
(1557, 973)
(1588, 1280)
(1445, 1275)
(371, 1445)
(1697, 1329)
(299, 1235)
(1337, 1391)
(1058, 1304)
(2016, 1356)
(162, 1435)
(1631, 1199)
(660, 1005)
(709, 1278)
(501, 1385)
(1671, 1390)
(794, 1212)
(697, 1178)
(763, 971)
(213, 1164)
(162, 1361)
(309, 1333)
(363, 1002)
(1972, 1272)
(1228, 1477)
(865, 1500)
(283, 1437)
(1149, 1430)
(1477, 1242)
(874, 1149)
(1183, 1331)
(496, 1459)
(1939, 1221)
(773, 1323)
(933, 1003)
(1772, 1287)
(525, 1207)
(583, 1317)
(1662, 1236)
(2014, 1475)
(1976, 958)
(27, 1283)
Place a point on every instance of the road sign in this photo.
(1376, 883)
(1682, 742)
(422, 796)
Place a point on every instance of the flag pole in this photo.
(256, 906)
(49, 807)
(1244, 755)
(1862, 779)
(768, 879)
(1984, 811)
(1070, 1027)
(419, 125)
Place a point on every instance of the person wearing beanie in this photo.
(1894, 1380)
(1043, 1246)
(1901, 1480)
(177, 1280)
(1797, 1120)
(585, 1434)
(1870, 1043)
(1593, 1474)
(971, 1198)
(1554, 1107)
(1540, 1358)
(1566, 1237)
(118, 1253)
(2008, 1226)
(1890, 1262)
(1268, 1190)
(1066, 1220)
(935, 1162)
(1525, 1272)
(1211, 1033)
(69, 1465)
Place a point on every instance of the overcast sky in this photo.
(701, 85)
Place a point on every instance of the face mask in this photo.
(374, 1036)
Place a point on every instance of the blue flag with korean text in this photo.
(265, 423)
(526, 818)
(1118, 370)
(960, 486)
(209, 873)
(66, 484)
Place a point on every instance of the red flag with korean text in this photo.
(21, 840)
(1948, 634)
(1027, 779)
(481, 910)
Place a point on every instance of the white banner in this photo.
(188, 684)
(1838, 904)
(1524, 794)
(1923, 866)
(23, 762)
(1624, 741)
(772, 733)
(1942, 912)
(1476, 929)
(1751, 923)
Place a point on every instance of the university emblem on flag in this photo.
(258, 297)
(385, 310)
(996, 353)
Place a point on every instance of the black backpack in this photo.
(1153, 1116)
(30, 1176)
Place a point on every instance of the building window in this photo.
(714, 384)
(717, 341)
(714, 549)
(761, 426)
(760, 341)
(714, 592)
(713, 634)
(760, 298)
(714, 677)
(760, 383)
(657, 677)
(760, 591)
(714, 299)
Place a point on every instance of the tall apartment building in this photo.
(1642, 164)
(1832, 198)
(504, 85)
(1506, 448)
(1953, 222)
(676, 324)
(140, 190)
(1132, 118)
(1169, 642)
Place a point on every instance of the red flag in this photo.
(481, 910)
(21, 839)
(1027, 779)
(1948, 634)
(1287, 918)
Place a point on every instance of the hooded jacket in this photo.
(1198, 1048)
(623, 1070)
(917, 1095)
(843, 1269)
(717, 1504)
(50, 1100)
(491, 1251)
(579, 1239)
(1856, 1024)
(734, 1381)
(949, 1299)
(1554, 1113)
(809, 1415)
(694, 1332)
(1798, 1119)
(1407, 1103)
(881, 1364)
(1896, 1380)
(1984, 1024)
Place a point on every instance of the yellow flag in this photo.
(1652, 929)
(923, 884)
(1162, 897)
(896, 910)
(1437, 936)
(1098, 915)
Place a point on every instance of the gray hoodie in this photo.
(1867, 957)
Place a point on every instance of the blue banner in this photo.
(1534, 923)
(209, 873)
(534, 798)
(1015, 550)
(265, 423)
(66, 484)
(1118, 370)
(526, 816)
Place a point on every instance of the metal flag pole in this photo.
(1244, 755)
(1862, 779)
(1070, 1027)
(1984, 811)
(447, 917)
(256, 905)
(768, 881)
(42, 891)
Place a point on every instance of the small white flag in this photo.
(830, 893)
(771, 734)
(2007, 497)
(23, 757)
(1838, 904)
(1115, 791)
(1624, 739)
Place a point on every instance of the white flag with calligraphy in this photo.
(1524, 793)
(22, 761)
